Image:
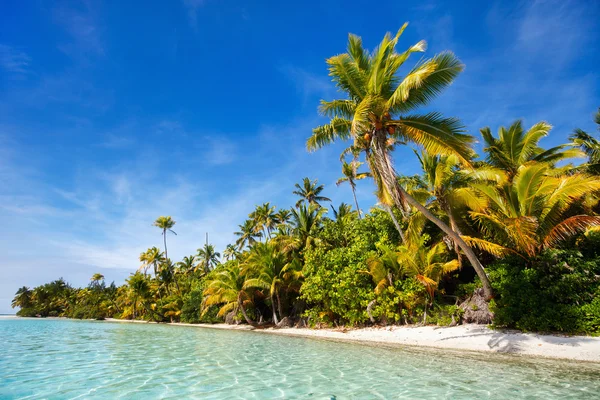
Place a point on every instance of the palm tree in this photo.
(230, 252)
(167, 276)
(376, 110)
(532, 212)
(310, 192)
(22, 298)
(305, 223)
(384, 268)
(343, 212)
(140, 288)
(265, 269)
(187, 264)
(514, 147)
(351, 175)
(247, 234)
(226, 288)
(208, 256)
(283, 216)
(426, 264)
(165, 224)
(589, 145)
(151, 257)
(446, 188)
(97, 278)
(265, 219)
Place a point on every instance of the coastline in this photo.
(470, 337)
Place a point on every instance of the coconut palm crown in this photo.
(378, 112)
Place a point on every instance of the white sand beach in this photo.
(463, 337)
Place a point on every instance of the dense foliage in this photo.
(521, 221)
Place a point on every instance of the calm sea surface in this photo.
(63, 359)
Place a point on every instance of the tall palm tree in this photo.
(209, 258)
(515, 147)
(309, 192)
(165, 224)
(265, 219)
(351, 175)
(376, 110)
(532, 212)
(589, 145)
(152, 257)
(226, 288)
(247, 234)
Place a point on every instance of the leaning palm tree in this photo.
(376, 111)
(309, 192)
(226, 288)
(208, 257)
(532, 212)
(165, 224)
(515, 147)
(351, 175)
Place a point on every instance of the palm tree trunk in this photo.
(355, 200)
(165, 240)
(395, 221)
(275, 320)
(279, 305)
(243, 310)
(455, 228)
(384, 165)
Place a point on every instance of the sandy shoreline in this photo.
(477, 338)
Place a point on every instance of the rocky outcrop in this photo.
(476, 309)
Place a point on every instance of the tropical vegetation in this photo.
(516, 225)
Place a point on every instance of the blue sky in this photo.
(113, 113)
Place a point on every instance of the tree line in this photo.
(511, 234)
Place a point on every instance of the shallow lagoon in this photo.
(50, 358)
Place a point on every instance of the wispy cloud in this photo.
(14, 60)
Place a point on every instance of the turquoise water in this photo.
(63, 359)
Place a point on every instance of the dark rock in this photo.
(230, 318)
(476, 309)
(285, 322)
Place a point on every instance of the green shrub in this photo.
(553, 292)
